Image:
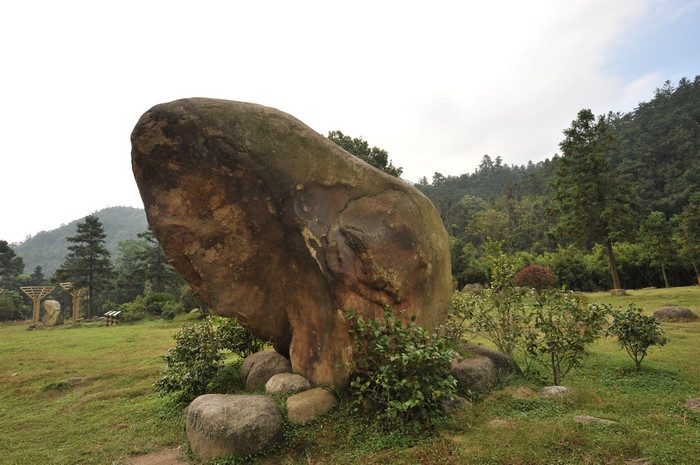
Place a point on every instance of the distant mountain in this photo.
(48, 249)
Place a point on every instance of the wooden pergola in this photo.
(76, 294)
(36, 293)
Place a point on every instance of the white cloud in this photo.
(436, 84)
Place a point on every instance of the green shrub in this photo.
(134, 310)
(236, 338)
(560, 326)
(463, 304)
(190, 300)
(498, 311)
(536, 277)
(402, 372)
(636, 332)
(170, 310)
(195, 366)
(193, 363)
(156, 301)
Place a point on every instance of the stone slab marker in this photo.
(276, 226)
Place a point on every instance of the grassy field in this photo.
(85, 395)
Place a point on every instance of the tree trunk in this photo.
(663, 271)
(613, 264)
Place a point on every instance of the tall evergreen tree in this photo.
(594, 203)
(88, 263)
(655, 234)
(10, 264)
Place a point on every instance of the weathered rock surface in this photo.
(52, 313)
(693, 404)
(309, 405)
(675, 314)
(286, 383)
(555, 391)
(258, 368)
(278, 227)
(589, 420)
(219, 425)
(503, 362)
(477, 374)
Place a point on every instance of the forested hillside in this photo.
(47, 249)
(655, 148)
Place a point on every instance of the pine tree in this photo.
(88, 264)
(594, 202)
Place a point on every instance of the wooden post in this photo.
(36, 293)
(76, 294)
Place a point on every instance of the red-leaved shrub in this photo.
(537, 277)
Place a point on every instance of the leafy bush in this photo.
(8, 311)
(636, 332)
(561, 325)
(195, 365)
(170, 310)
(498, 311)
(402, 372)
(236, 338)
(463, 304)
(134, 310)
(192, 363)
(190, 300)
(536, 277)
(156, 301)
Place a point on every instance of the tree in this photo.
(561, 325)
(10, 264)
(360, 148)
(690, 231)
(142, 262)
(594, 203)
(87, 263)
(156, 268)
(37, 277)
(656, 235)
(636, 332)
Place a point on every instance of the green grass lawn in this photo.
(85, 395)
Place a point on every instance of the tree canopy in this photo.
(88, 263)
(359, 147)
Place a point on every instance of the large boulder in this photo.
(504, 363)
(278, 227)
(219, 425)
(52, 313)
(475, 375)
(675, 314)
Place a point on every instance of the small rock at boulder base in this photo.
(278, 227)
(309, 405)
(219, 425)
(477, 374)
(286, 383)
(503, 362)
(259, 367)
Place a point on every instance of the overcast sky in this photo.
(437, 84)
